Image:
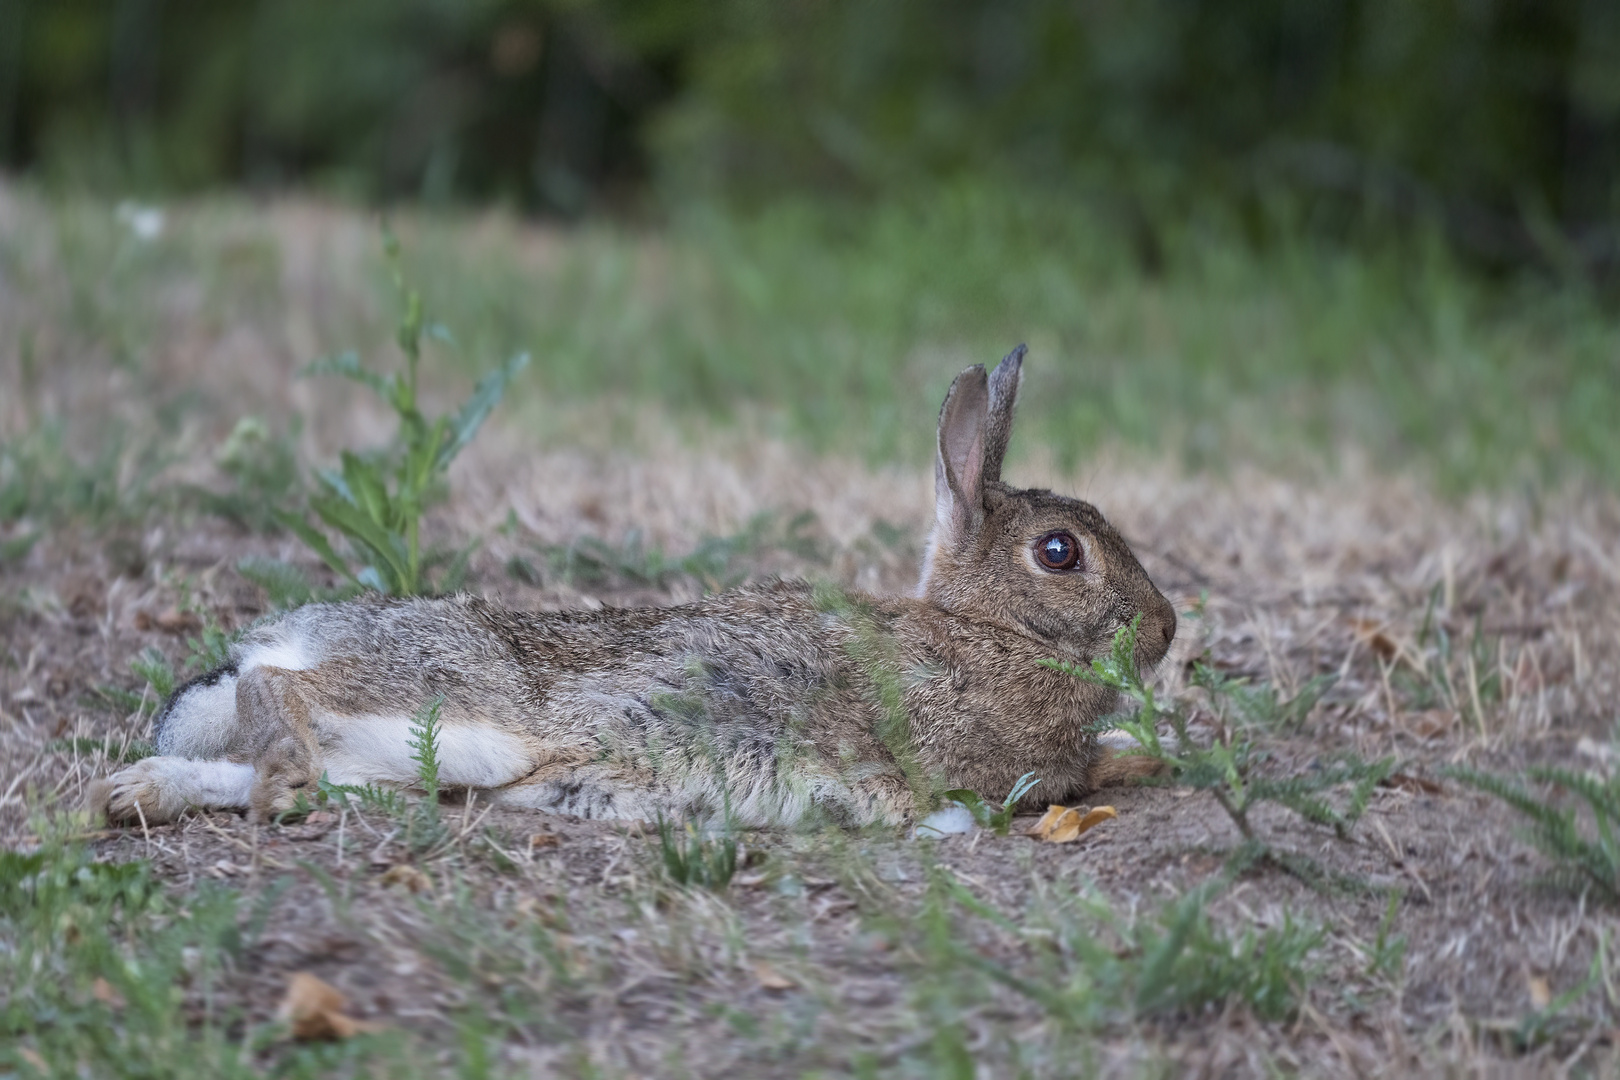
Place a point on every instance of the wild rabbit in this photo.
(776, 703)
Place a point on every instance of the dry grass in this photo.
(561, 943)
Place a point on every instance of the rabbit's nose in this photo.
(1167, 622)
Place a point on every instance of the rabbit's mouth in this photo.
(1147, 664)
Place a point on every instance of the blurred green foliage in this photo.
(846, 324)
(839, 327)
(371, 98)
(1498, 119)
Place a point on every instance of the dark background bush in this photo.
(1497, 119)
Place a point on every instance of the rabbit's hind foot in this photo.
(284, 773)
(155, 790)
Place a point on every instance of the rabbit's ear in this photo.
(959, 458)
(1003, 397)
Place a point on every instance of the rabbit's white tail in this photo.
(199, 720)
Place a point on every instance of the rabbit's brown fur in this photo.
(774, 703)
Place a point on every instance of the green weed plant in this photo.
(375, 501)
(1094, 968)
(692, 859)
(286, 586)
(264, 472)
(424, 830)
(1585, 853)
(997, 817)
(1229, 767)
(102, 974)
(1445, 671)
(45, 483)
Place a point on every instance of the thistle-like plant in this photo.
(1585, 857)
(1226, 767)
(424, 829)
(375, 500)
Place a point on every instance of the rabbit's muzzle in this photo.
(1158, 630)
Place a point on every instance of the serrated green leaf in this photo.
(385, 549)
(476, 409)
(347, 365)
(316, 540)
(368, 489)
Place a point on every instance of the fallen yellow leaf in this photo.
(770, 978)
(1064, 824)
(313, 1010)
(104, 992)
(1371, 634)
(1044, 826)
(1540, 992)
(408, 876)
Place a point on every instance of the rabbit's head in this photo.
(1044, 565)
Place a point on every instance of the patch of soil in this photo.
(799, 962)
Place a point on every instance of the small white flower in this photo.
(146, 222)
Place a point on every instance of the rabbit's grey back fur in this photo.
(774, 703)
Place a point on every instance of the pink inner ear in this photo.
(964, 445)
(970, 469)
(961, 448)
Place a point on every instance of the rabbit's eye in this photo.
(1058, 551)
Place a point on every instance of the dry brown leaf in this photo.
(30, 1055)
(1097, 816)
(409, 876)
(1044, 826)
(1430, 724)
(1415, 784)
(1066, 829)
(1062, 825)
(1540, 992)
(1371, 634)
(543, 840)
(770, 978)
(313, 1010)
(104, 992)
(172, 621)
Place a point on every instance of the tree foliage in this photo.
(1498, 118)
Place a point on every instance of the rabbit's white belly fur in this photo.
(372, 749)
(356, 749)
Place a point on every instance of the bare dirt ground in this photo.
(568, 938)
